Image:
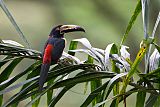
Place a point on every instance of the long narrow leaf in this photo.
(59, 95)
(93, 94)
(75, 80)
(153, 36)
(140, 99)
(51, 75)
(151, 100)
(17, 85)
(11, 50)
(112, 83)
(145, 16)
(132, 20)
(10, 17)
(8, 70)
(13, 79)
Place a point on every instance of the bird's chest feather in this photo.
(58, 47)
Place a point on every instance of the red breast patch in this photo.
(47, 54)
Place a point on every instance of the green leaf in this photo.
(59, 95)
(157, 103)
(49, 92)
(114, 50)
(19, 96)
(32, 75)
(144, 47)
(36, 103)
(38, 95)
(29, 81)
(75, 80)
(140, 99)
(5, 60)
(22, 94)
(10, 17)
(72, 46)
(93, 94)
(131, 22)
(89, 60)
(78, 79)
(32, 68)
(8, 70)
(12, 80)
(111, 83)
(121, 96)
(94, 85)
(6, 73)
(151, 100)
(59, 92)
(15, 51)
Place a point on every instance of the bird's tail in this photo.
(43, 75)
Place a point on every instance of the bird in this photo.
(53, 49)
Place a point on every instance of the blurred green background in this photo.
(105, 22)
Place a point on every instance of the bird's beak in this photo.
(70, 28)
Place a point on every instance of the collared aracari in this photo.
(53, 49)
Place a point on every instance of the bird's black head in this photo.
(60, 30)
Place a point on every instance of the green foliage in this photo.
(105, 70)
(132, 20)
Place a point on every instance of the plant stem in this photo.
(139, 57)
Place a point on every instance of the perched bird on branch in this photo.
(53, 49)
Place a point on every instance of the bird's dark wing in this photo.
(58, 50)
(45, 65)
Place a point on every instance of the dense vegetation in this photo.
(110, 72)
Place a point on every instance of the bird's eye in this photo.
(61, 32)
